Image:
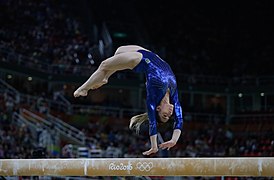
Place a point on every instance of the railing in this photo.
(116, 111)
(15, 58)
(127, 112)
(30, 100)
(105, 111)
(12, 57)
(20, 120)
(252, 117)
(202, 117)
(70, 131)
(9, 90)
(65, 104)
(191, 79)
(35, 118)
(60, 126)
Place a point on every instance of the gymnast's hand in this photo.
(151, 151)
(80, 92)
(168, 144)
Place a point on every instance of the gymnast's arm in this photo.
(178, 123)
(151, 109)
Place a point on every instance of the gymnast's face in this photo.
(165, 111)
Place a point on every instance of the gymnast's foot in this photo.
(98, 85)
(80, 92)
(83, 90)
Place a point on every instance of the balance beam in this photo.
(139, 167)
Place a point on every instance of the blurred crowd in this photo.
(213, 140)
(45, 36)
(45, 32)
(41, 33)
(15, 141)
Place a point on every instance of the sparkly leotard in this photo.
(160, 78)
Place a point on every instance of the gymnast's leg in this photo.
(127, 60)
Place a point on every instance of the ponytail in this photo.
(136, 121)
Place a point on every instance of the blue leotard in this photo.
(160, 78)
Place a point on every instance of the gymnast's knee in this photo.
(104, 65)
(119, 50)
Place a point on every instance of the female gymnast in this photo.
(162, 94)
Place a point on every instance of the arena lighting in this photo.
(119, 35)
(9, 76)
(91, 62)
(29, 78)
(220, 166)
(262, 94)
(77, 60)
(240, 95)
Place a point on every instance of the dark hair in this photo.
(158, 119)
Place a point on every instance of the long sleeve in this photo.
(178, 120)
(151, 109)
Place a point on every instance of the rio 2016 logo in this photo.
(120, 167)
(141, 166)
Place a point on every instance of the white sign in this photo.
(120, 167)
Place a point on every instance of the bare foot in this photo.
(151, 151)
(80, 92)
(84, 91)
(105, 81)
